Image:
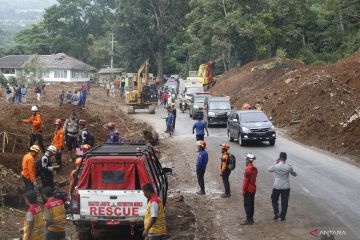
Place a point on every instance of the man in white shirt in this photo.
(281, 187)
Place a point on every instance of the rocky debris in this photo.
(10, 183)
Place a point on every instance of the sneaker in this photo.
(276, 217)
(225, 195)
(282, 219)
(200, 193)
(247, 222)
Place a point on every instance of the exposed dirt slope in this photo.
(309, 101)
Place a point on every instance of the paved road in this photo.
(325, 195)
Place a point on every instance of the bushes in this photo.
(275, 64)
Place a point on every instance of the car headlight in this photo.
(245, 130)
(212, 114)
(272, 127)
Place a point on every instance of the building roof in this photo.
(54, 61)
(111, 70)
(13, 61)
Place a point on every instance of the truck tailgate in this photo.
(121, 205)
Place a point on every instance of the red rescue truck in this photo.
(107, 197)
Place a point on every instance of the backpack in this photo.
(231, 162)
(38, 165)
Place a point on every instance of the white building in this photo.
(56, 68)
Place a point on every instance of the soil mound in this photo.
(309, 101)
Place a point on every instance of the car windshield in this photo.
(194, 90)
(199, 99)
(254, 117)
(219, 105)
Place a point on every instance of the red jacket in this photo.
(249, 182)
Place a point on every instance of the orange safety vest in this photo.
(54, 211)
(159, 227)
(224, 161)
(36, 121)
(28, 167)
(37, 232)
(72, 180)
(58, 140)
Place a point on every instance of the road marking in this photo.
(304, 189)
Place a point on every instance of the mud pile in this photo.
(310, 102)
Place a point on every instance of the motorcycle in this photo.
(182, 105)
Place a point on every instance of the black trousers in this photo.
(174, 122)
(249, 205)
(47, 180)
(225, 178)
(29, 186)
(200, 176)
(37, 137)
(58, 159)
(71, 142)
(284, 194)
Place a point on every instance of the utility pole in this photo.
(112, 51)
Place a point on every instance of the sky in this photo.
(26, 4)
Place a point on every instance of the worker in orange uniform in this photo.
(225, 171)
(154, 221)
(36, 134)
(54, 216)
(249, 188)
(33, 223)
(74, 173)
(28, 173)
(58, 141)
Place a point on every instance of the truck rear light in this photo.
(75, 203)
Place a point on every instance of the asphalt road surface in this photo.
(325, 196)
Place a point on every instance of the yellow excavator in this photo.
(145, 96)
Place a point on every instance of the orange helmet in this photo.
(78, 161)
(85, 147)
(58, 121)
(224, 145)
(110, 125)
(82, 122)
(202, 144)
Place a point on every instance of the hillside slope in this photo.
(310, 102)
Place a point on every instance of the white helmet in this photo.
(249, 156)
(51, 149)
(34, 109)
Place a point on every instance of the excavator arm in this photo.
(143, 70)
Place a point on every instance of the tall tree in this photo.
(148, 26)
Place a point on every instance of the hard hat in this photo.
(35, 148)
(202, 144)
(58, 122)
(78, 161)
(110, 125)
(82, 122)
(51, 149)
(34, 109)
(224, 145)
(85, 147)
(249, 156)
